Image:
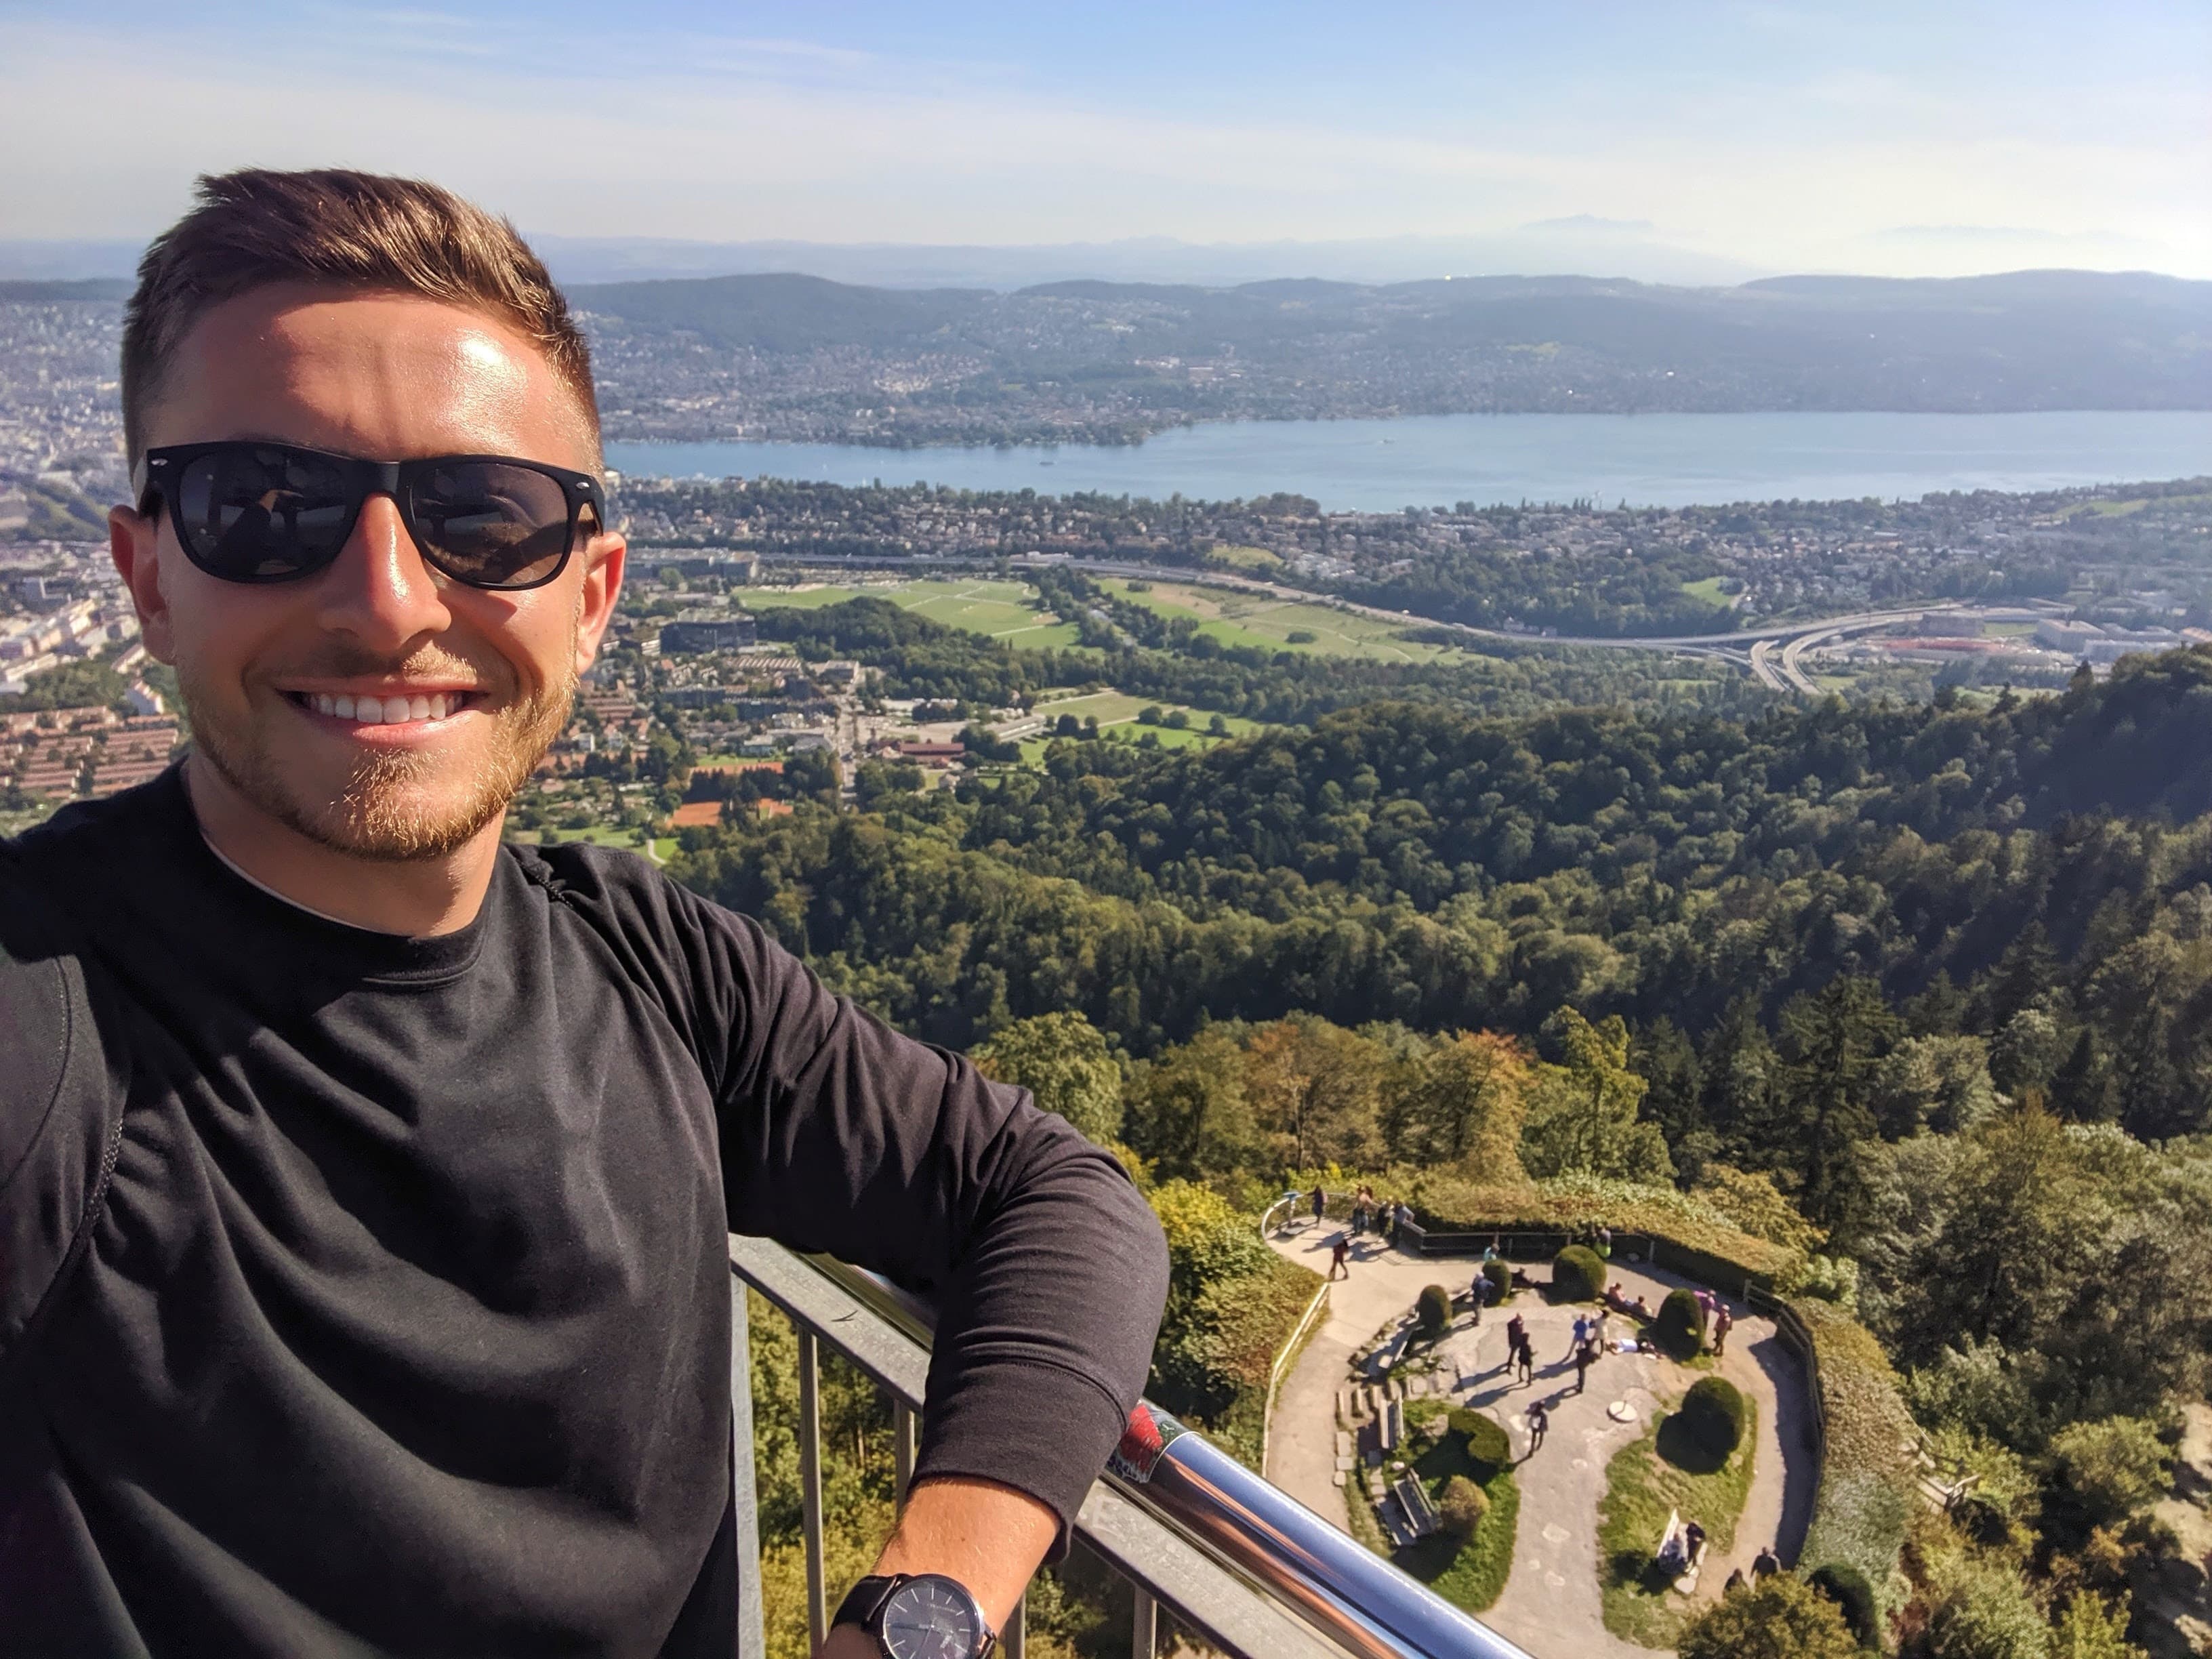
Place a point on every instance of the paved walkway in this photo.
(1550, 1606)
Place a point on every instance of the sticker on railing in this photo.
(1144, 1439)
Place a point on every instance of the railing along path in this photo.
(1252, 1570)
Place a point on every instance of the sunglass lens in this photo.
(252, 514)
(492, 525)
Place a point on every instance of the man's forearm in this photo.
(987, 1536)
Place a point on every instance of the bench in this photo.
(1420, 1514)
(1676, 1556)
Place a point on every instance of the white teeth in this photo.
(387, 711)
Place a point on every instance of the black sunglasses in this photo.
(249, 512)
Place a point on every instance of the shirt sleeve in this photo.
(59, 1109)
(1049, 1270)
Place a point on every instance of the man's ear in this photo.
(604, 560)
(134, 542)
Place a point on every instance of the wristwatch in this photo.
(922, 1616)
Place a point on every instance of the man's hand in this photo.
(987, 1536)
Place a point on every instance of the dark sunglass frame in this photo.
(164, 469)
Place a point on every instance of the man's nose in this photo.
(378, 589)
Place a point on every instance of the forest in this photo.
(1916, 994)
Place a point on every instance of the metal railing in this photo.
(1249, 1569)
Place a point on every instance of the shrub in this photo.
(2113, 1467)
(1578, 1274)
(1847, 1587)
(1681, 1327)
(1867, 1495)
(1434, 1309)
(1983, 1611)
(1450, 1202)
(1712, 1417)
(1501, 1281)
(1485, 1439)
(1462, 1508)
(1780, 1617)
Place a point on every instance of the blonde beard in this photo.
(378, 814)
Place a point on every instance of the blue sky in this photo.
(1871, 136)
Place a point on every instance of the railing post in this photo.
(1145, 1628)
(903, 1447)
(752, 1634)
(1016, 1634)
(809, 1484)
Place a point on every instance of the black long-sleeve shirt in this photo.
(362, 1294)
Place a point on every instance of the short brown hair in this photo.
(357, 230)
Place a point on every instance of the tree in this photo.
(1833, 1040)
(2090, 1628)
(1583, 1117)
(1314, 1087)
(1939, 1083)
(1063, 1061)
(875, 782)
(1187, 1111)
(2113, 1467)
(1463, 1101)
(1983, 1611)
(1778, 1617)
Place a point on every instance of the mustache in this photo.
(338, 659)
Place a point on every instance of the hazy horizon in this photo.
(1734, 140)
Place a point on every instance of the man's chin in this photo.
(386, 809)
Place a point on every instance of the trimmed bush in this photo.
(1866, 1495)
(1712, 1417)
(1485, 1440)
(1847, 1587)
(1680, 1328)
(1580, 1204)
(1462, 1507)
(1501, 1281)
(1578, 1274)
(1434, 1310)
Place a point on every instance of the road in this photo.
(1779, 673)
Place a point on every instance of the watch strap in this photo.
(866, 1597)
(866, 1600)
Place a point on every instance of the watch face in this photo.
(930, 1618)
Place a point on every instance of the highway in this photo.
(1771, 653)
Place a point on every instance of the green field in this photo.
(1116, 714)
(1710, 590)
(1004, 610)
(1262, 621)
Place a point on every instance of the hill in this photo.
(1087, 360)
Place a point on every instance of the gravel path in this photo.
(1550, 1606)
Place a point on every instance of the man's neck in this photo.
(415, 898)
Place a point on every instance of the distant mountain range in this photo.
(2027, 340)
(786, 356)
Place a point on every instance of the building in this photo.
(698, 633)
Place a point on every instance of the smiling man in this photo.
(364, 1181)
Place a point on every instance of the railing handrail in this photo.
(1220, 1508)
(1283, 1356)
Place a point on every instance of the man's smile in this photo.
(389, 713)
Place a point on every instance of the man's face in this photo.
(263, 668)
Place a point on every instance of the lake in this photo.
(1431, 461)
